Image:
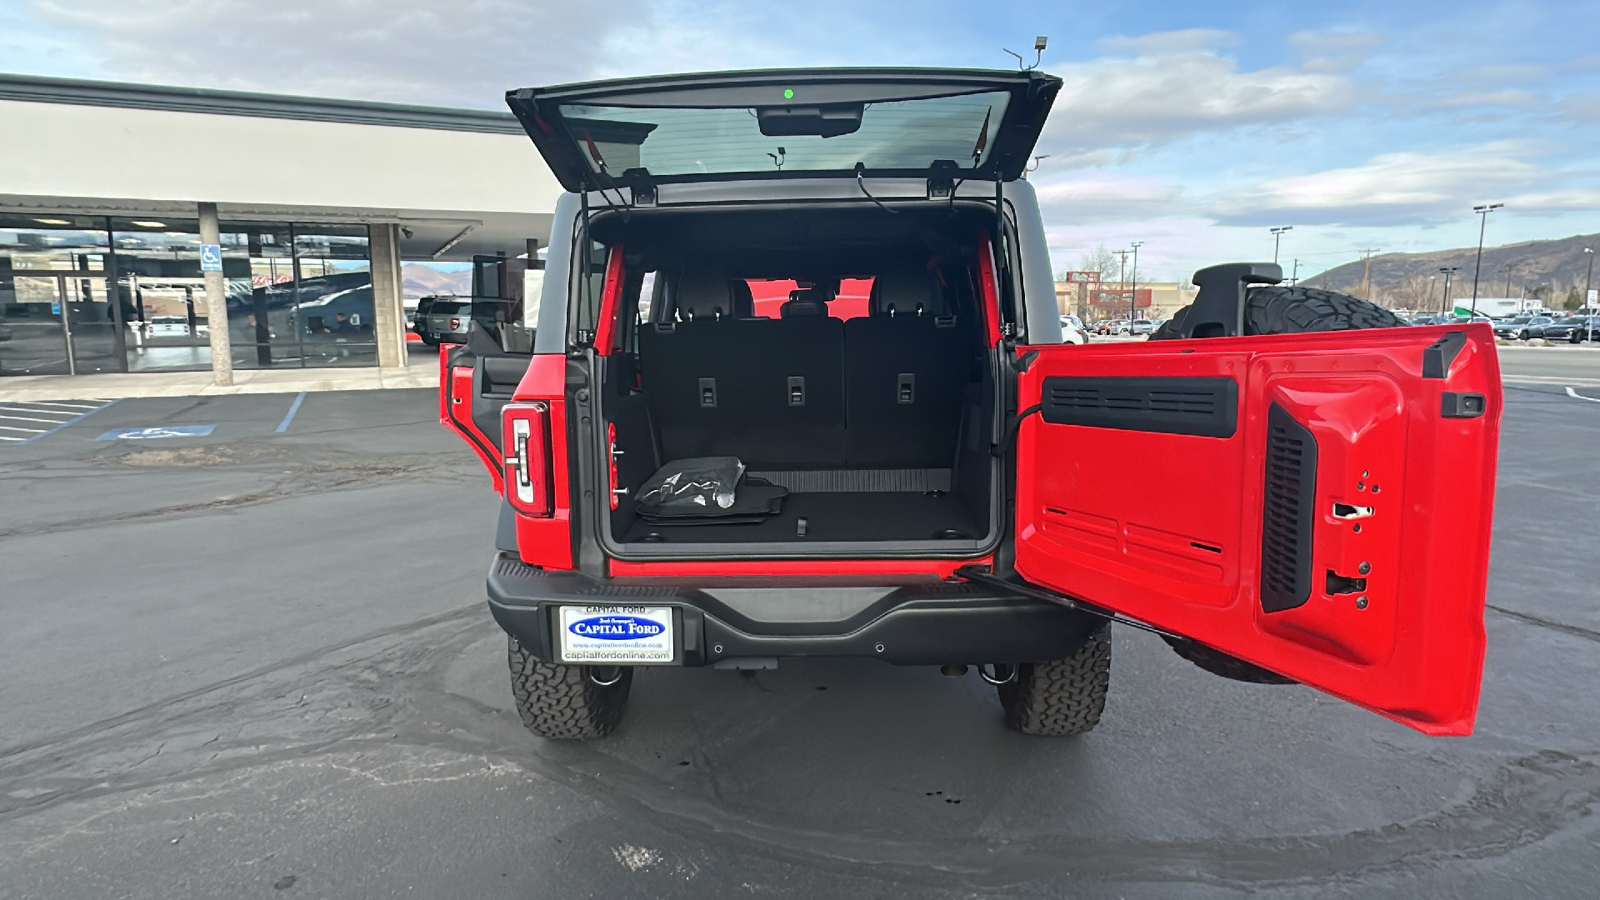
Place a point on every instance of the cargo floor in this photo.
(887, 516)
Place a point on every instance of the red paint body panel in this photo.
(852, 301)
(547, 541)
(939, 567)
(990, 290)
(455, 413)
(1128, 543)
(605, 329)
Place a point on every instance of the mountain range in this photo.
(421, 281)
(1548, 269)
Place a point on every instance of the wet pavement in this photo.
(257, 663)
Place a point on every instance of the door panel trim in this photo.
(1200, 406)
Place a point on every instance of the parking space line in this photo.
(293, 408)
(4, 438)
(60, 403)
(1577, 396)
(75, 419)
(27, 418)
(17, 428)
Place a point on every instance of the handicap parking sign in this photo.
(156, 432)
(211, 257)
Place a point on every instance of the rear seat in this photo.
(770, 392)
(906, 369)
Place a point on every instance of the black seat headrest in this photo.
(909, 290)
(744, 302)
(812, 301)
(703, 294)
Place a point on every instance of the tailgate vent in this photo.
(1207, 407)
(1287, 516)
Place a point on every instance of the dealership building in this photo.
(313, 203)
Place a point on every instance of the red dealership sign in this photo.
(1113, 300)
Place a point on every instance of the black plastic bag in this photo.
(706, 488)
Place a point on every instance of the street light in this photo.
(1483, 222)
(1444, 302)
(1277, 235)
(1133, 299)
(1587, 281)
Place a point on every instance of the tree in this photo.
(1101, 260)
(1574, 298)
(1416, 293)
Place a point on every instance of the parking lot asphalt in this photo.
(257, 663)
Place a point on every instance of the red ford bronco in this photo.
(918, 475)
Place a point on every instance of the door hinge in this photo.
(982, 575)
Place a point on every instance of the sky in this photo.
(1191, 127)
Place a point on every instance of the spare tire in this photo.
(1296, 310)
(1277, 310)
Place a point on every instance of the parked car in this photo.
(1073, 331)
(1137, 326)
(1576, 329)
(1521, 328)
(1562, 329)
(322, 316)
(727, 491)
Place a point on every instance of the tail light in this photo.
(455, 324)
(525, 433)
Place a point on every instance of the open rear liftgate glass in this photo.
(1316, 504)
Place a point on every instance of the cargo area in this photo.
(856, 378)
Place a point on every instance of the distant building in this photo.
(1093, 302)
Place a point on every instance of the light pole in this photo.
(1587, 281)
(1445, 305)
(1277, 235)
(1133, 299)
(1483, 223)
(1294, 277)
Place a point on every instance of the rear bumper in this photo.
(909, 622)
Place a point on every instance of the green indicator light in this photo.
(788, 93)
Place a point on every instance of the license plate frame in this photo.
(615, 635)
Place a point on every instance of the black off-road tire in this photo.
(1063, 696)
(1296, 310)
(561, 702)
(1278, 310)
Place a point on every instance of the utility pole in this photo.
(1366, 274)
(1277, 235)
(1588, 280)
(1449, 272)
(1294, 277)
(1483, 223)
(1122, 285)
(1508, 268)
(1134, 298)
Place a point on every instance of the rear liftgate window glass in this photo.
(899, 134)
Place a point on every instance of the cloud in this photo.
(1512, 97)
(1389, 189)
(1335, 51)
(413, 51)
(1173, 85)
(1107, 198)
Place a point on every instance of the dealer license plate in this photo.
(616, 634)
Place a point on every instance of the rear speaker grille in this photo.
(1287, 512)
(1206, 406)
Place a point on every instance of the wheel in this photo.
(1063, 696)
(562, 702)
(429, 340)
(1522, 335)
(1296, 310)
(1278, 310)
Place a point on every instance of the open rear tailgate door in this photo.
(960, 123)
(1316, 504)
